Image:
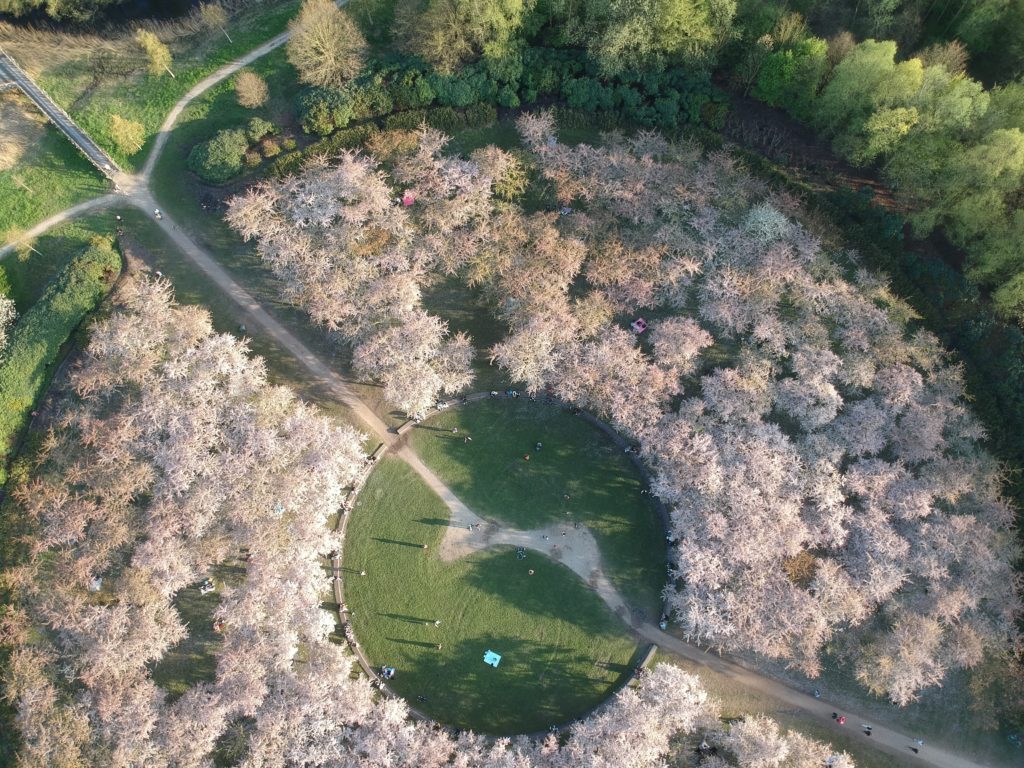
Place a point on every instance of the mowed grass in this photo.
(562, 650)
(52, 175)
(194, 659)
(492, 477)
(148, 98)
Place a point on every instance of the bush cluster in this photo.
(40, 333)
(223, 157)
(666, 100)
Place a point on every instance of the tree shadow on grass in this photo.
(553, 590)
(406, 618)
(439, 521)
(411, 544)
(536, 684)
(417, 643)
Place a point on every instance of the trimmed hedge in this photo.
(666, 100)
(39, 334)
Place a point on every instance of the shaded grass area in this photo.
(52, 175)
(492, 477)
(562, 650)
(27, 272)
(194, 660)
(147, 98)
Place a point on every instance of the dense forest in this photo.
(928, 93)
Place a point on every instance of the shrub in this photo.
(38, 336)
(411, 89)
(324, 110)
(251, 90)
(251, 158)
(387, 145)
(446, 119)
(347, 138)
(269, 148)
(480, 115)
(287, 164)
(288, 143)
(258, 128)
(406, 120)
(220, 158)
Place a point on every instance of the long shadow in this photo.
(404, 617)
(412, 544)
(498, 573)
(417, 643)
(439, 521)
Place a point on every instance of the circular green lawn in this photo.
(562, 649)
(491, 476)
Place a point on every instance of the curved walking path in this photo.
(135, 190)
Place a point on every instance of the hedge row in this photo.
(39, 334)
(443, 118)
(666, 100)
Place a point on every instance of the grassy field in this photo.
(50, 176)
(491, 476)
(194, 660)
(562, 649)
(148, 98)
(28, 271)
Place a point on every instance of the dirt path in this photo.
(575, 548)
(59, 218)
(883, 738)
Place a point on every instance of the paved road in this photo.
(137, 193)
(9, 70)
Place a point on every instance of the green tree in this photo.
(157, 54)
(882, 133)
(648, 34)
(325, 45)
(449, 33)
(993, 31)
(220, 158)
(948, 102)
(866, 80)
(790, 78)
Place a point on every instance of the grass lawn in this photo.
(490, 475)
(51, 176)
(194, 659)
(28, 272)
(146, 98)
(562, 650)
